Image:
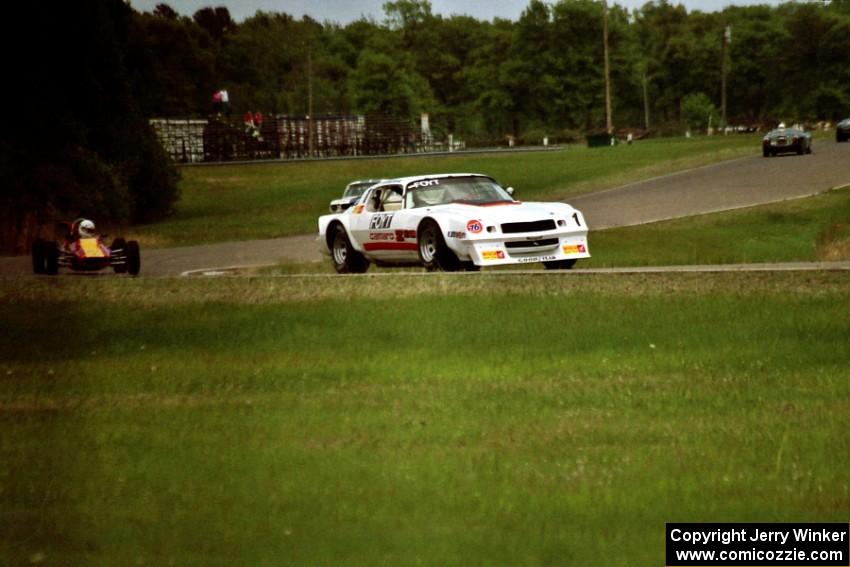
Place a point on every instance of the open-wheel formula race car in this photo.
(83, 249)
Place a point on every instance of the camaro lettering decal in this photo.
(380, 221)
(460, 235)
(402, 235)
(474, 226)
(574, 249)
(372, 246)
(423, 183)
(493, 255)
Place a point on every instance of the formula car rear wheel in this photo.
(134, 259)
(51, 258)
(38, 258)
(345, 258)
(433, 251)
(559, 264)
(119, 244)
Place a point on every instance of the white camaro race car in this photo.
(450, 222)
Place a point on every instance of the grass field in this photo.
(809, 229)
(446, 420)
(223, 203)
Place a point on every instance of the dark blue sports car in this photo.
(842, 130)
(786, 140)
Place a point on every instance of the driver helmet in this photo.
(782, 125)
(87, 229)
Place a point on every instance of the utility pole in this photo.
(727, 36)
(608, 122)
(310, 141)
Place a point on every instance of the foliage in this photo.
(76, 141)
(698, 111)
(490, 79)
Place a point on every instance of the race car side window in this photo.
(391, 198)
(373, 201)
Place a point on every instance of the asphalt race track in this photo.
(729, 185)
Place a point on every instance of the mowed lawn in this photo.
(242, 202)
(801, 230)
(483, 419)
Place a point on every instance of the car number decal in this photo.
(474, 226)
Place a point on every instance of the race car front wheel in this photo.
(38, 259)
(345, 258)
(134, 258)
(433, 251)
(559, 264)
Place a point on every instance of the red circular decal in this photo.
(474, 226)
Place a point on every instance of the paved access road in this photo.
(728, 185)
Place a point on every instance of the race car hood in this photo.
(507, 212)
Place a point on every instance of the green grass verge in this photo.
(222, 203)
(467, 420)
(809, 229)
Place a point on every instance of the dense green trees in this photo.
(75, 140)
(479, 79)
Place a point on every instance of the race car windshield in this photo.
(356, 189)
(468, 190)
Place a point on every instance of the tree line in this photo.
(541, 74)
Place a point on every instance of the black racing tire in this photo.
(809, 149)
(38, 257)
(765, 152)
(800, 149)
(434, 253)
(119, 244)
(51, 258)
(134, 258)
(560, 264)
(345, 258)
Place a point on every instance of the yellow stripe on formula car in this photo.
(91, 248)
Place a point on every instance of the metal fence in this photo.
(288, 137)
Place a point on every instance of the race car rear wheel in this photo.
(134, 259)
(51, 257)
(560, 264)
(345, 258)
(38, 259)
(119, 244)
(433, 251)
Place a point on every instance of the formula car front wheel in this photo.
(51, 258)
(345, 258)
(433, 251)
(134, 259)
(119, 245)
(38, 256)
